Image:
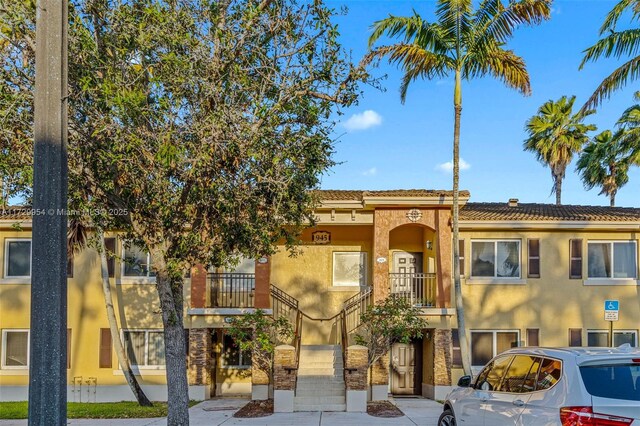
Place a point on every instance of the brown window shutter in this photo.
(110, 245)
(68, 348)
(534, 258)
(461, 256)
(575, 337)
(105, 348)
(533, 337)
(575, 260)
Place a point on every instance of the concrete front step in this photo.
(320, 372)
(319, 407)
(321, 394)
(310, 400)
(320, 385)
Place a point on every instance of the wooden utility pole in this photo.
(48, 348)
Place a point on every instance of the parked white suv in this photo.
(550, 386)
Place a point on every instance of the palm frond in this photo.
(616, 44)
(629, 71)
(630, 118)
(495, 21)
(455, 17)
(77, 236)
(412, 29)
(614, 15)
(503, 64)
(414, 61)
(404, 27)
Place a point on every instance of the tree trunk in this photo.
(123, 360)
(171, 303)
(558, 188)
(612, 199)
(462, 332)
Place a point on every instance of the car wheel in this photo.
(447, 418)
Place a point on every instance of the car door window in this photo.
(517, 373)
(493, 379)
(529, 384)
(549, 374)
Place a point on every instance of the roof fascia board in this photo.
(532, 224)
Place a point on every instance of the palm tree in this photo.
(555, 134)
(630, 121)
(616, 44)
(76, 242)
(463, 43)
(605, 163)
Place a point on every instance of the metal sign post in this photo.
(611, 309)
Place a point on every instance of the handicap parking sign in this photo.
(611, 308)
(611, 305)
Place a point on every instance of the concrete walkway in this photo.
(418, 411)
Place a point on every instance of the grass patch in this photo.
(99, 410)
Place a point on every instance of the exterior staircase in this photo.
(320, 384)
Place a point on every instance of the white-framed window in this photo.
(136, 262)
(612, 259)
(145, 348)
(17, 258)
(232, 356)
(15, 349)
(349, 268)
(601, 337)
(495, 258)
(485, 344)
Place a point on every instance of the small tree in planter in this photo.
(260, 333)
(389, 321)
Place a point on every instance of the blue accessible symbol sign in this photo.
(611, 309)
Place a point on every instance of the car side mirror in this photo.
(464, 381)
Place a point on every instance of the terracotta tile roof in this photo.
(351, 195)
(16, 213)
(547, 212)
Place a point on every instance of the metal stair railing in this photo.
(286, 305)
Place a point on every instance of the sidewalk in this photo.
(214, 412)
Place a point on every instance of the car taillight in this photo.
(584, 416)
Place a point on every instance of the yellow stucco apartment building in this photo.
(533, 274)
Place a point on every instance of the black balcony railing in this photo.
(417, 288)
(232, 290)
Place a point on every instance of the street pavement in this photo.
(214, 412)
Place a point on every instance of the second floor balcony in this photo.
(419, 289)
(231, 290)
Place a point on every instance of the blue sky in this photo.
(406, 145)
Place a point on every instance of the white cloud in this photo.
(370, 172)
(363, 121)
(448, 166)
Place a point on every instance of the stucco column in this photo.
(263, 278)
(380, 379)
(199, 356)
(380, 251)
(198, 286)
(442, 357)
(444, 255)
